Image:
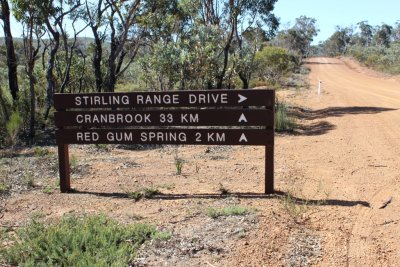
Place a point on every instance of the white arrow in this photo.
(243, 138)
(241, 98)
(242, 118)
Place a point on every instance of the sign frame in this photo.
(236, 117)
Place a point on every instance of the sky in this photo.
(330, 13)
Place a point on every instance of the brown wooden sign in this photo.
(213, 117)
(261, 117)
(210, 98)
(248, 137)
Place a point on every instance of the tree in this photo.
(26, 12)
(252, 41)
(338, 43)
(53, 14)
(366, 33)
(272, 63)
(396, 32)
(120, 20)
(238, 13)
(299, 37)
(382, 35)
(11, 58)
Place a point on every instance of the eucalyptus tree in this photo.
(396, 31)
(252, 41)
(366, 33)
(29, 15)
(117, 23)
(53, 14)
(299, 37)
(11, 57)
(382, 36)
(235, 17)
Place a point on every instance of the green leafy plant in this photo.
(145, 192)
(163, 236)
(41, 152)
(14, 126)
(283, 122)
(149, 192)
(73, 162)
(228, 211)
(75, 241)
(136, 195)
(29, 180)
(3, 188)
(294, 209)
(178, 165)
(48, 190)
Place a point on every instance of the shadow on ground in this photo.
(305, 114)
(277, 195)
(323, 127)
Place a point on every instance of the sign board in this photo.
(209, 98)
(212, 117)
(260, 117)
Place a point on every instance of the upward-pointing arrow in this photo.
(242, 118)
(243, 138)
(241, 98)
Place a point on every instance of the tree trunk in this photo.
(33, 106)
(244, 79)
(220, 78)
(97, 61)
(11, 58)
(50, 68)
(112, 67)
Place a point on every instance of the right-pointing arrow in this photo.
(242, 118)
(241, 98)
(243, 138)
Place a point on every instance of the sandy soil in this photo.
(333, 176)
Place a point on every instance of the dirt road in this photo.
(353, 150)
(339, 168)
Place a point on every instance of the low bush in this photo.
(75, 241)
(228, 211)
(283, 121)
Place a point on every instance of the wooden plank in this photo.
(269, 160)
(215, 117)
(166, 136)
(63, 161)
(209, 98)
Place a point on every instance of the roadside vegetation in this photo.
(138, 45)
(228, 211)
(377, 47)
(77, 241)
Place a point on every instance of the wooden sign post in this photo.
(237, 117)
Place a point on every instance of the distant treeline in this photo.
(375, 46)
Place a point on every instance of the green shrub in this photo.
(87, 241)
(41, 152)
(3, 188)
(228, 211)
(283, 122)
(146, 192)
(273, 63)
(14, 126)
(178, 165)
